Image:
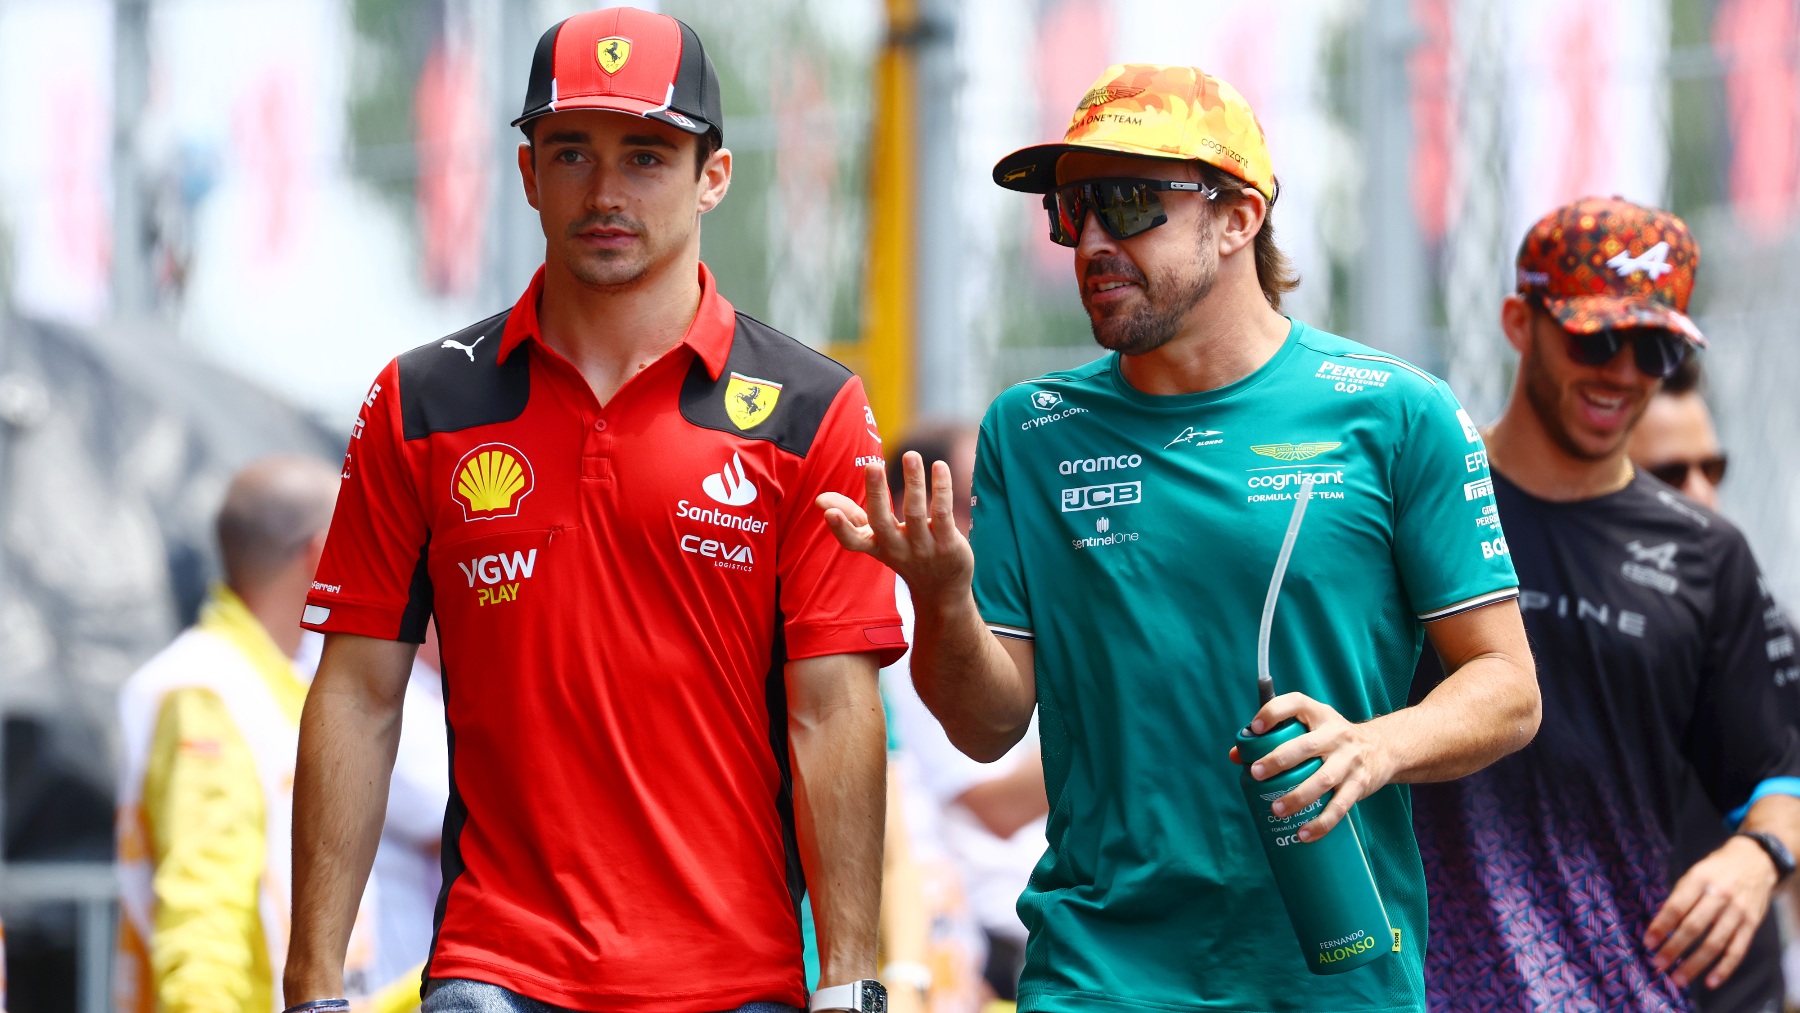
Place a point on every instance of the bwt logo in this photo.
(1096, 497)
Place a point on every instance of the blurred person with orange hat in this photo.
(1553, 873)
(659, 668)
(1126, 518)
(205, 790)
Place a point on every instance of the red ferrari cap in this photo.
(628, 61)
(1603, 262)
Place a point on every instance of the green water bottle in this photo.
(1326, 884)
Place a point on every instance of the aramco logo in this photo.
(491, 481)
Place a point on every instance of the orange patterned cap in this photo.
(1155, 111)
(1603, 263)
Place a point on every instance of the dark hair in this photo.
(1686, 377)
(1274, 271)
(708, 143)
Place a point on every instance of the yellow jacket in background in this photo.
(211, 728)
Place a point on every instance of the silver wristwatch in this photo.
(865, 996)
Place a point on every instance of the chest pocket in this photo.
(497, 570)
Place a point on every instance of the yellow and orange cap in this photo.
(1154, 111)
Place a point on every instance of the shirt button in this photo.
(599, 425)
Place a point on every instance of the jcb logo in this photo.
(501, 573)
(1096, 497)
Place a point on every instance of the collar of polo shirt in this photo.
(709, 335)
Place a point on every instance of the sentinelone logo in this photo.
(1104, 537)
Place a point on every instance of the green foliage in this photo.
(1698, 142)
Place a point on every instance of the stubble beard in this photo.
(1545, 397)
(612, 269)
(1166, 303)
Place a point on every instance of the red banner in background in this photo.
(1074, 46)
(453, 153)
(1433, 116)
(1756, 41)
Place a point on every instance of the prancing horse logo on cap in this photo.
(612, 52)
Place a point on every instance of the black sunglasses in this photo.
(1125, 206)
(1675, 473)
(1659, 353)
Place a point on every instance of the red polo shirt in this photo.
(617, 589)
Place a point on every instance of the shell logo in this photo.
(491, 481)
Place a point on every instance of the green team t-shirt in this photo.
(1132, 538)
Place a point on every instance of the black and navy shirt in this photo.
(1661, 657)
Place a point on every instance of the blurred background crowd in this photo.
(220, 218)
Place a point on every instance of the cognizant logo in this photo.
(1089, 465)
(1282, 479)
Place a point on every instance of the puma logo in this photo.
(468, 350)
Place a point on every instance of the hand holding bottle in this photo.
(1354, 763)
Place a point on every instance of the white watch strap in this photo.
(847, 996)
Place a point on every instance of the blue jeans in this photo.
(460, 995)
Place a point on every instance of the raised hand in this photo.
(922, 544)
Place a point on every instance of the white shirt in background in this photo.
(994, 869)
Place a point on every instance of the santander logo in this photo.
(730, 486)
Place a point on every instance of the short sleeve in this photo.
(1448, 544)
(1743, 732)
(999, 576)
(372, 579)
(835, 601)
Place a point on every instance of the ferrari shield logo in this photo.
(612, 53)
(748, 401)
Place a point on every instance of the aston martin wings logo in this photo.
(1294, 451)
(749, 401)
(612, 53)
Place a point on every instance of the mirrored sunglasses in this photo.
(1125, 206)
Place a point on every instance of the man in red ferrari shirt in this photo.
(659, 667)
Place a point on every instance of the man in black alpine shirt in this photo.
(1676, 443)
(1551, 873)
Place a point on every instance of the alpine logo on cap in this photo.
(612, 52)
(1653, 262)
